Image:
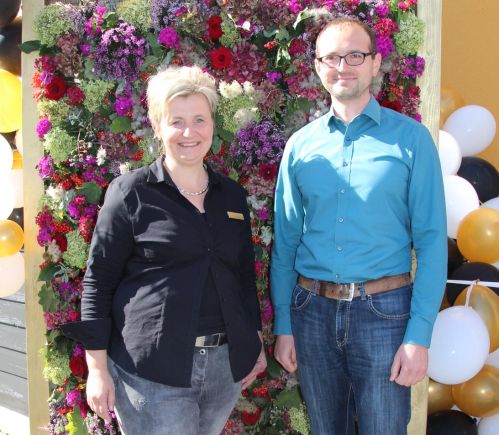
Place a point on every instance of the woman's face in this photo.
(187, 130)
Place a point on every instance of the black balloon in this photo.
(470, 272)
(482, 175)
(455, 258)
(451, 422)
(8, 11)
(17, 216)
(10, 53)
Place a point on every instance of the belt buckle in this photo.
(351, 291)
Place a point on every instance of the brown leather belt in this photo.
(348, 291)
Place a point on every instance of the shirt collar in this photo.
(158, 174)
(372, 110)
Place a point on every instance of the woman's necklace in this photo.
(199, 192)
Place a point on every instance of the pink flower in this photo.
(169, 38)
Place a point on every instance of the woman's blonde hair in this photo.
(174, 82)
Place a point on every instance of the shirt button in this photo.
(339, 248)
(347, 138)
(337, 275)
(345, 163)
(209, 249)
(342, 190)
(340, 219)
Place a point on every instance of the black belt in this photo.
(212, 340)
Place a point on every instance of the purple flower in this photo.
(73, 398)
(43, 126)
(169, 38)
(263, 213)
(382, 8)
(273, 77)
(45, 167)
(385, 45)
(123, 105)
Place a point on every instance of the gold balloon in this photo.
(480, 395)
(486, 303)
(18, 160)
(10, 102)
(478, 235)
(11, 238)
(450, 101)
(439, 397)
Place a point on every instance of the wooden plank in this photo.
(18, 296)
(12, 338)
(430, 11)
(33, 188)
(12, 313)
(14, 393)
(13, 362)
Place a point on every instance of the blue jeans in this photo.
(345, 352)
(145, 407)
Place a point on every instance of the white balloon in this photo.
(16, 176)
(11, 274)
(460, 199)
(459, 345)
(7, 196)
(492, 203)
(19, 140)
(493, 359)
(449, 153)
(474, 128)
(6, 156)
(489, 425)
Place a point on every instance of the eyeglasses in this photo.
(355, 58)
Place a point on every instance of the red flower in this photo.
(394, 105)
(221, 58)
(214, 27)
(270, 45)
(267, 171)
(76, 95)
(61, 242)
(137, 156)
(251, 418)
(78, 366)
(56, 88)
(67, 184)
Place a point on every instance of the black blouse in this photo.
(149, 261)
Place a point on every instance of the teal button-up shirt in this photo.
(350, 200)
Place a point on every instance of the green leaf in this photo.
(152, 40)
(287, 399)
(282, 34)
(91, 191)
(148, 61)
(283, 57)
(30, 46)
(76, 425)
(273, 367)
(121, 124)
(302, 16)
(47, 298)
(216, 145)
(111, 19)
(49, 272)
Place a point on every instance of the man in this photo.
(356, 188)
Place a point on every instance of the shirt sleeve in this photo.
(111, 246)
(429, 235)
(288, 227)
(248, 278)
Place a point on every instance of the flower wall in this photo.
(90, 80)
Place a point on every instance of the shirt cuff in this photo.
(419, 332)
(94, 334)
(282, 320)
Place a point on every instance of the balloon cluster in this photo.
(11, 173)
(464, 353)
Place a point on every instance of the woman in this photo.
(170, 317)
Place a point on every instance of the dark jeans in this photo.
(345, 351)
(145, 407)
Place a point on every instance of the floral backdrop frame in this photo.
(89, 83)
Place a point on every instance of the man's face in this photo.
(344, 82)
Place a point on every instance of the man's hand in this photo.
(285, 353)
(409, 364)
(260, 366)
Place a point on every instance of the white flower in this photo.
(266, 235)
(53, 251)
(244, 116)
(124, 168)
(101, 156)
(230, 90)
(55, 193)
(255, 203)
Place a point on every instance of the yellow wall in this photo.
(470, 35)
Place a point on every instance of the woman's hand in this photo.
(100, 385)
(260, 366)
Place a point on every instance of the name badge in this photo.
(235, 215)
